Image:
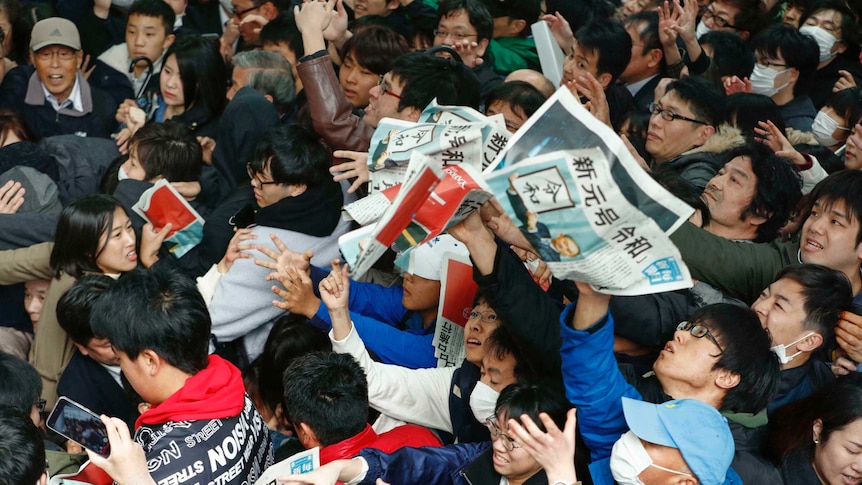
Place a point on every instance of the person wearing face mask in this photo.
(504, 461)
(799, 310)
(683, 440)
(786, 61)
(835, 29)
(453, 400)
(834, 121)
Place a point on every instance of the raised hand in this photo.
(11, 197)
(283, 258)
(553, 449)
(236, 248)
(356, 168)
(297, 296)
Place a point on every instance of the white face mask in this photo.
(824, 40)
(781, 350)
(483, 401)
(763, 80)
(121, 174)
(629, 459)
(701, 30)
(823, 127)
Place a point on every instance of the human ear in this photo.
(810, 342)
(604, 79)
(727, 379)
(817, 429)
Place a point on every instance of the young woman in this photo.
(94, 235)
(192, 84)
(817, 439)
(834, 121)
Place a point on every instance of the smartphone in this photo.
(77, 423)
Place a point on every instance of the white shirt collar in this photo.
(74, 100)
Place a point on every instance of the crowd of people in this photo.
(256, 344)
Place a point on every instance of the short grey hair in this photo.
(260, 60)
(277, 83)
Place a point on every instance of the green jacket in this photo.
(513, 53)
(739, 269)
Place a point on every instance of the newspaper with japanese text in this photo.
(590, 211)
(571, 210)
(302, 462)
(432, 199)
(457, 290)
(451, 135)
(162, 204)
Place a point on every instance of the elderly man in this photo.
(51, 95)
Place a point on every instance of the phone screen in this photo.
(80, 425)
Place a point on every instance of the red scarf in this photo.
(213, 393)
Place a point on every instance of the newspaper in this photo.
(457, 290)
(451, 135)
(562, 124)
(302, 462)
(431, 200)
(570, 208)
(594, 214)
(162, 204)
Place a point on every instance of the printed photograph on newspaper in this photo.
(571, 210)
(563, 124)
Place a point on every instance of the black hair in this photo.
(842, 186)
(731, 54)
(611, 44)
(836, 405)
(22, 451)
(705, 100)
(291, 337)
(155, 8)
(159, 310)
(294, 155)
(747, 109)
(750, 18)
(533, 399)
(526, 10)
(827, 293)
(529, 365)
(203, 72)
(850, 34)
(426, 77)
(479, 16)
(647, 29)
(579, 14)
(746, 353)
(777, 190)
(522, 97)
(847, 104)
(329, 393)
(799, 51)
(75, 306)
(283, 30)
(375, 48)
(168, 149)
(78, 239)
(21, 386)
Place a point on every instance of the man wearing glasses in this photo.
(52, 96)
(721, 356)
(683, 134)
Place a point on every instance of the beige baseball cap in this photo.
(55, 31)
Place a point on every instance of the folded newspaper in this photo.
(432, 199)
(457, 290)
(451, 135)
(302, 462)
(162, 204)
(589, 210)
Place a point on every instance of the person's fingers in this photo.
(355, 186)
(279, 244)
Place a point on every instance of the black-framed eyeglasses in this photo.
(719, 22)
(40, 403)
(508, 443)
(698, 331)
(770, 64)
(252, 176)
(240, 13)
(668, 115)
(455, 35)
(385, 90)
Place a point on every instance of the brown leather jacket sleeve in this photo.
(331, 112)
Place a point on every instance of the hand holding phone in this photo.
(77, 423)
